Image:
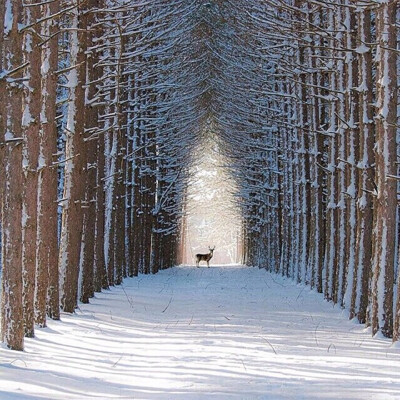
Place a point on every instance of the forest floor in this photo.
(227, 332)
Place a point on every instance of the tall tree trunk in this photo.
(316, 231)
(330, 259)
(352, 147)
(396, 322)
(101, 279)
(91, 125)
(340, 239)
(385, 161)
(359, 301)
(72, 217)
(12, 312)
(110, 178)
(119, 239)
(2, 118)
(30, 154)
(100, 273)
(47, 286)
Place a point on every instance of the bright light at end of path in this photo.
(212, 215)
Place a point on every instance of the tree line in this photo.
(106, 104)
(97, 98)
(314, 139)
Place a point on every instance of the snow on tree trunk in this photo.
(47, 296)
(30, 152)
(2, 118)
(91, 126)
(101, 281)
(316, 239)
(330, 263)
(100, 273)
(121, 99)
(72, 215)
(339, 272)
(351, 156)
(365, 187)
(12, 323)
(385, 227)
(396, 322)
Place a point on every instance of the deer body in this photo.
(205, 257)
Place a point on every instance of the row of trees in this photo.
(107, 103)
(97, 98)
(319, 167)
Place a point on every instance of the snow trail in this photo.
(227, 332)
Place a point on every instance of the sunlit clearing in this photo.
(212, 216)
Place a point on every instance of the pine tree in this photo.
(47, 275)
(385, 161)
(31, 104)
(73, 199)
(12, 312)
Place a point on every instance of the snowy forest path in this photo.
(225, 332)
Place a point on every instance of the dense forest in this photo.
(106, 105)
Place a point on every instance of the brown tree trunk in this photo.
(120, 215)
(100, 273)
(396, 322)
(91, 124)
(119, 239)
(2, 117)
(385, 161)
(330, 259)
(359, 301)
(128, 193)
(340, 238)
(47, 297)
(101, 279)
(12, 181)
(138, 201)
(72, 217)
(316, 231)
(30, 153)
(352, 135)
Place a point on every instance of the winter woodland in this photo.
(116, 115)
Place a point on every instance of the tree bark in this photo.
(72, 217)
(47, 297)
(385, 161)
(359, 301)
(12, 310)
(330, 259)
(30, 153)
(2, 119)
(91, 125)
(352, 136)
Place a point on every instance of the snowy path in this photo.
(218, 333)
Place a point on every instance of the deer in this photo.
(205, 257)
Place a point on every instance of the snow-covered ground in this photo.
(217, 333)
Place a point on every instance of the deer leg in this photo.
(208, 264)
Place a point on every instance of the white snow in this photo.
(208, 333)
(362, 49)
(8, 17)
